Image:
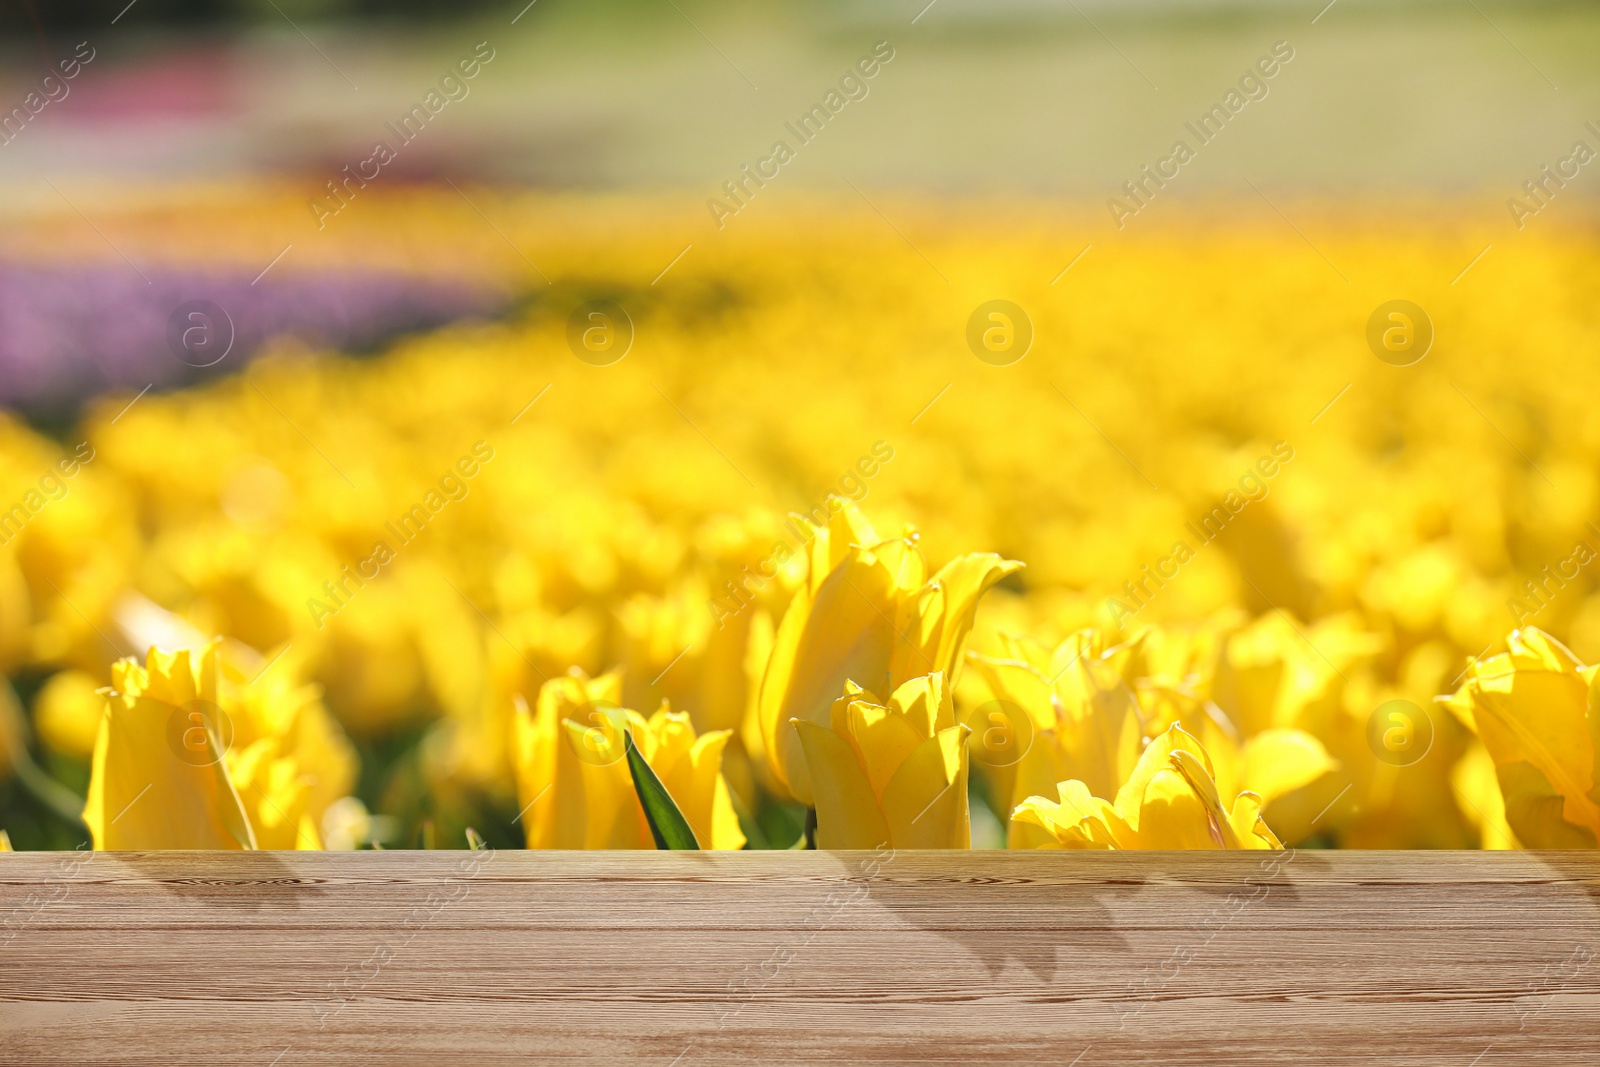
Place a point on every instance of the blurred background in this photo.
(1040, 97)
(1034, 104)
(162, 159)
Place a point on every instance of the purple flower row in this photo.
(68, 332)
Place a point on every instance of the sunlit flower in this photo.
(158, 779)
(890, 774)
(868, 614)
(573, 782)
(1170, 801)
(275, 792)
(1533, 709)
(192, 730)
(273, 705)
(1078, 712)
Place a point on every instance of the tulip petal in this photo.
(1248, 825)
(1171, 816)
(670, 737)
(926, 702)
(696, 783)
(142, 796)
(944, 613)
(1535, 810)
(964, 580)
(884, 738)
(848, 529)
(848, 815)
(550, 779)
(1477, 791)
(843, 632)
(1070, 655)
(1040, 814)
(1221, 742)
(1041, 770)
(608, 814)
(534, 759)
(905, 563)
(1100, 737)
(272, 791)
(925, 802)
(1072, 822)
(1278, 761)
(1154, 760)
(918, 615)
(1200, 780)
(1544, 652)
(1019, 683)
(1537, 716)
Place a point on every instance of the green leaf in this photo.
(667, 824)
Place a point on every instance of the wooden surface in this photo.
(683, 959)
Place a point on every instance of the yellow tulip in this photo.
(529, 645)
(276, 706)
(573, 780)
(276, 794)
(274, 746)
(5, 841)
(1055, 715)
(688, 765)
(1260, 696)
(890, 774)
(142, 793)
(1274, 673)
(1170, 801)
(1173, 669)
(866, 614)
(547, 783)
(1087, 726)
(1536, 709)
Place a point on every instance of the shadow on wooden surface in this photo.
(681, 959)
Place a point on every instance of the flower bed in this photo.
(833, 597)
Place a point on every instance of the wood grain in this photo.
(687, 959)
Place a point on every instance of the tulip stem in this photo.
(810, 832)
(52, 794)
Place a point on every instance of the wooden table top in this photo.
(281, 959)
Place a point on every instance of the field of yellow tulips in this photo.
(779, 544)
